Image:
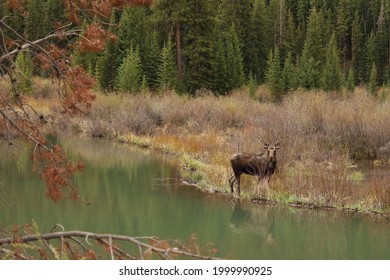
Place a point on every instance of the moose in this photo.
(261, 165)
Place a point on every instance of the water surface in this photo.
(136, 193)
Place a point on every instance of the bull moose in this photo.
(261, 165)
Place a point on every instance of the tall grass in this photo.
(322, 134)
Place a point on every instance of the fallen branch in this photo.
(157, 248)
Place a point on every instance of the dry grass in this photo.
(321, 135)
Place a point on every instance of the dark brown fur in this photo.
(261, 165)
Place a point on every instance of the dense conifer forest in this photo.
(220, 45)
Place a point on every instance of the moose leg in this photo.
(231, 182)
(238, 179)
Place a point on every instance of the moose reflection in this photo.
(261, 165)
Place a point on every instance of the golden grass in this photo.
(321, 135)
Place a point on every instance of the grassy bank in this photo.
(322, 135)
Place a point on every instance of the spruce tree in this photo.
(34, 23)
(357, 50)
(273, 76)
(259, 43)
(373, 82)
(289, 74)
(350, 82)
(220, 84)
(167, 71)
(382, 43)
(308, 72)
(150, 57)
(107, 63)
(234, 61)
(332, 75)
(130, 72)
(24, 81)
(198, 50)
(130, 30)
(370, 56)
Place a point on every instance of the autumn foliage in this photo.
(52, 55)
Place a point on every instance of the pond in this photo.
(134, 192)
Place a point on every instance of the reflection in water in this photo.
(135, 193)
(251, 218)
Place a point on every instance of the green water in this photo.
(136, 193)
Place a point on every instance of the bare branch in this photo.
(106, 239)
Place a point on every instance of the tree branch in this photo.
(105, 238)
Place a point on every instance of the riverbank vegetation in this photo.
(323, 136)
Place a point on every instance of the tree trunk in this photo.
(178, 51)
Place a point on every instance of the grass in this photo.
(322, 134)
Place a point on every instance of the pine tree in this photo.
(130, 72)
(332, 75)
(316, 38)
(370, 56)
(313, 57)
(382, 41)
(238, 14)
(259, 43)
(357, 48)
(308, 73)
(289, 74)
(221, 70)
(350, 82)
(373, 82)
(198, 50)
(150, 57)
(273, 76)
(24, 81)
(131, 30)
(107, 63)
(167, 71)
(35, 20)
(235, 70)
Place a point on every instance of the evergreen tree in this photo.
(107, 63)
(370, 56)
(382, 42)
(373, 82)
(150, 57)
(332, 75)
(238, 14)
(221, 70)
(167, 71)
(308, 72)
(312, 57)
(35, 20)
(198, 49)
(273, 76)
(130, 30)
(357, 48)
(234, 61)
(252, 86)
(24, 81)
(259, 43)
(130, 72)
(350, 82)
(289, 74)
(316, 38)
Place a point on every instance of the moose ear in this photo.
(266, 145)
(277, 145)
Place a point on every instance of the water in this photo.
(136, 193)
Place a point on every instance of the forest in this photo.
(197, 81)
(222, 45)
